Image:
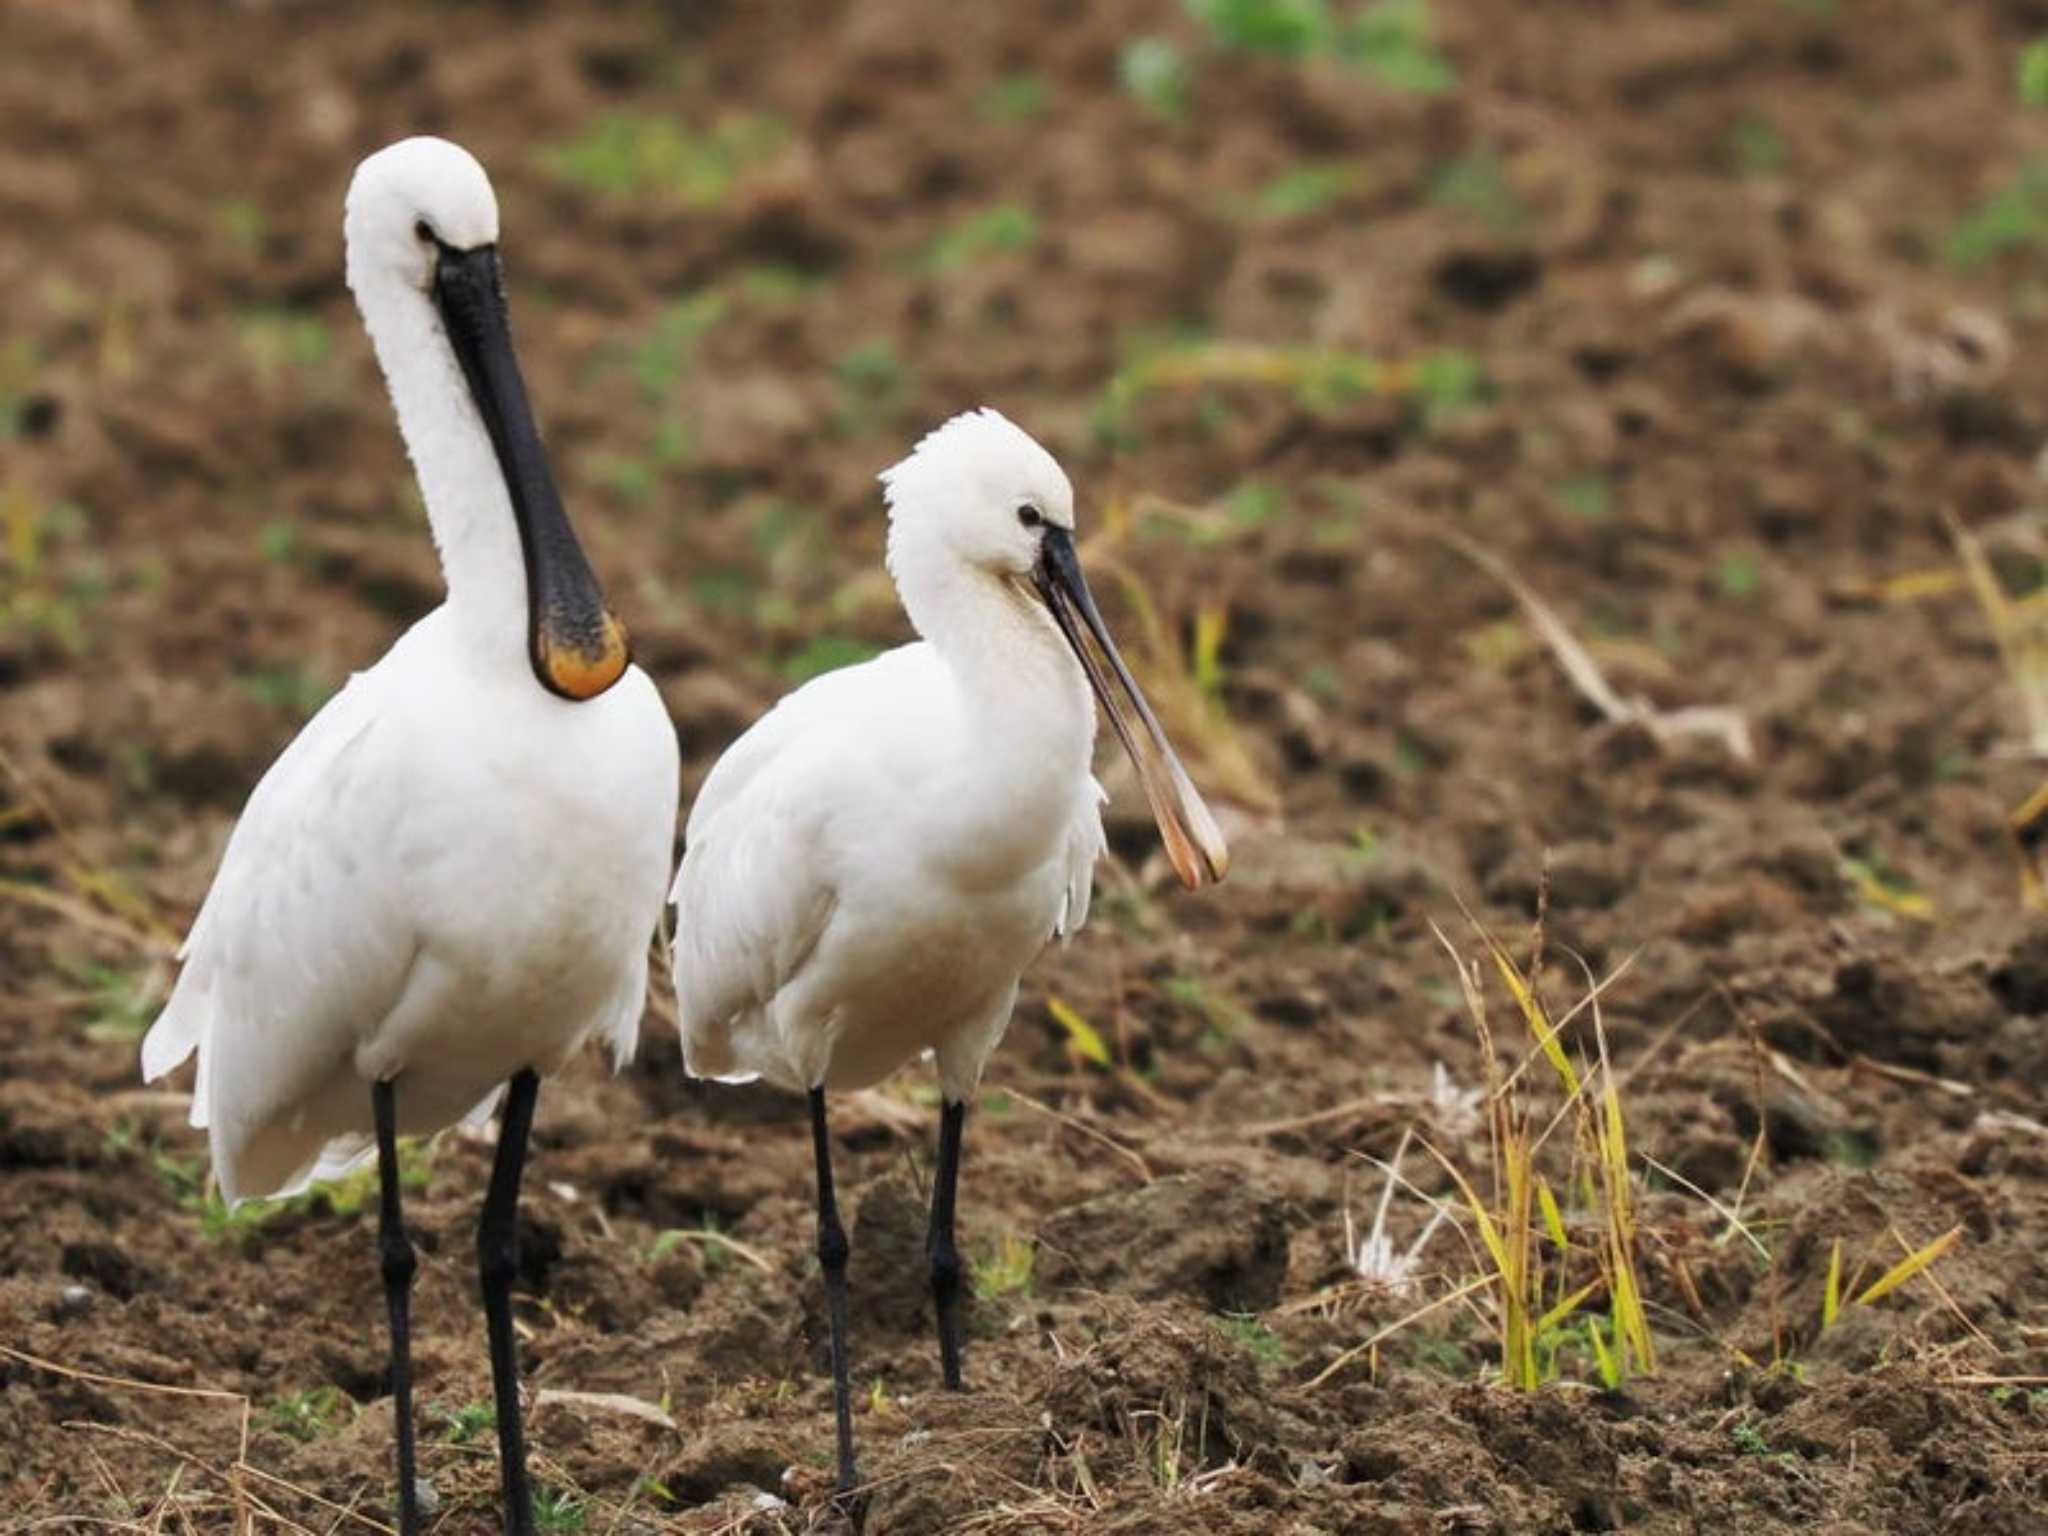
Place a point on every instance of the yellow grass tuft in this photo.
(1526, 1241)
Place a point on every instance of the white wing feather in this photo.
(1086, 843)
(299, 942)
(753, 897)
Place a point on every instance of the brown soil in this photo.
(1733, 377)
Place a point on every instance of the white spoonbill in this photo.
(871, 866)
(450, 879)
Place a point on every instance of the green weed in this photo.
(825, 653)
(559, 1510)
(1881, 884)
(629, 476)
(279, 341)
(1477, 185)
(49, 580)
(1254, 1337)
(184, 1177)
(1448, 383)
(654, 1488)
(1392, 42)
(1442, 1354)
(242, 225)
(2033, 74)
(1749, 1440)
(1016, 98)
(664, 359)
(1438, 385)
(1291, 28)
(220, 1223)
(1588, 497)
(1007, 228)
(118, 1005)
(1223, 1020)
(471, 1421)
(1738, 574)
(2012, 219)
(714, 1244)
(354, 1191)
(1154, 73)
(1005, 1270)
(873, 384)
(1756, 146)
(1305, 190)
(296, 689)
(278, 542)
(1850, 1149)
(775, 287)
(1325, 681)
(1395, 43)
(1249, 506)
(627, 155)
(729, 593)
(308, 1415)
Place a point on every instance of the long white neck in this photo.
(1030, 713)
(468, 506)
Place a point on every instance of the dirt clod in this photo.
(1211, 1236)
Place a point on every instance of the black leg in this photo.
(939, 1246)
(395, 1249)
(497, 1251)
(833, 1249)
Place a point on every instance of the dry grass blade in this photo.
(1723, 723)
(83, 913)
(1911, 1075)
(248, 1506)
(118, 912)
(1910, 1266)
(1510, 1247)
(1138, 1164)
(604, 1402)
(235, 1475)
(1264, 1129)
(877, 1107)
(1172, 676)
(1541, 1029)
(2028, 825)
(1478, 1283)
(1084, 1040)
(2018, 629)
(1727, 1213)
(711, 1237)
(1631, 1325)
(1525, 1212)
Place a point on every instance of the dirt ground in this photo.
(1701, 317)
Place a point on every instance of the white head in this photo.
(408, 201)
(422, 233)
(980, 491)
(979, 506)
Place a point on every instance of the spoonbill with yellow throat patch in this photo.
(449, 880)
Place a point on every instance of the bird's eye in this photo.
(423, 231)
(1029, 515)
